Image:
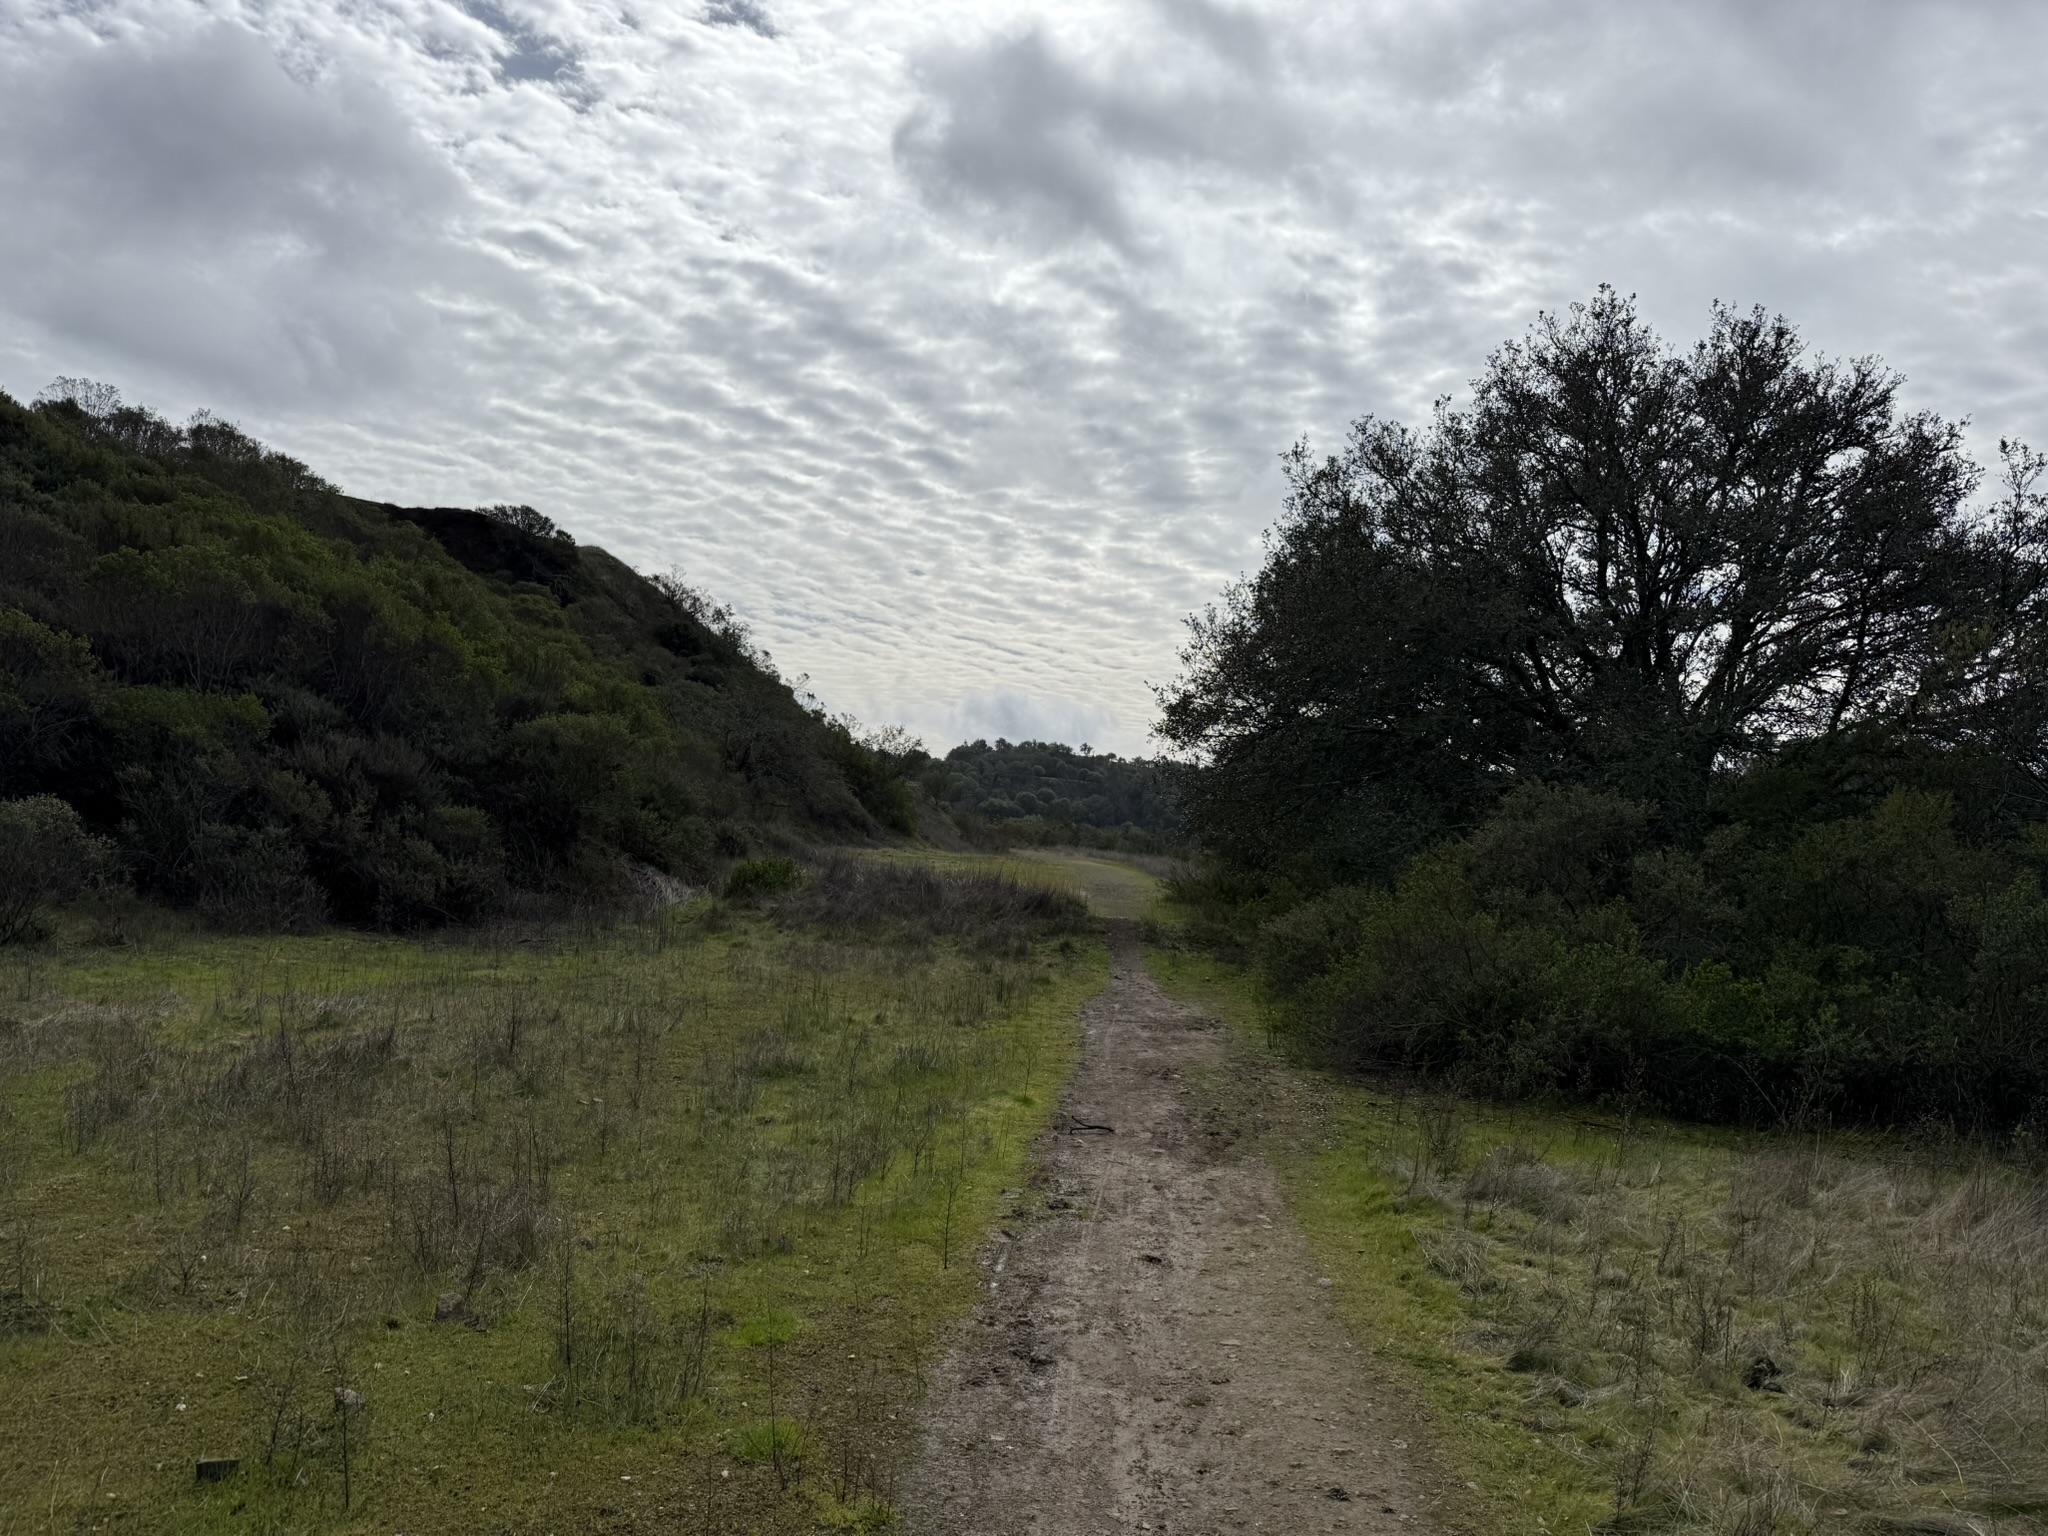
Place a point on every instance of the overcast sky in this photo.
(955, 343)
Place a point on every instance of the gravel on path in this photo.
(1156, 1351)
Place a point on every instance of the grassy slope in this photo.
(1582, 1302)
(1112, 887)
(700, 1101)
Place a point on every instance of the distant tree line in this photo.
(277, 703)
(1666, 726)
(1020, 787)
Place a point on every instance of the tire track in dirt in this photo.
(1155, 1351)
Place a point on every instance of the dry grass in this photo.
(925, 899)
(1640, 1327)
(1789, 1336)
(678, 1191)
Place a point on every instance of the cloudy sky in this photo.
(954, 341)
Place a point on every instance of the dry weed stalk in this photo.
(595, 1147)
(1774, 1340)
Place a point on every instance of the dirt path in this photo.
(1155, 1352)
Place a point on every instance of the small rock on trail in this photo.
(1155, 1353)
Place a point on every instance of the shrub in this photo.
(1869, 967)
(1564, 846)
(254, 881)
(761, 877)
(1312, 939)
(437, 708)
(46, 857)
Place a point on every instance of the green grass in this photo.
(1019, 867)
(1620, 1325)
(1113, 887)
(687, 1178)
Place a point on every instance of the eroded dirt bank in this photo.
(1155, 1351)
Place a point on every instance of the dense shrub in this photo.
(761, 877)
(1042, 791)
(1871, 966)
(285, 703)
(1664, 724)
(46, 857)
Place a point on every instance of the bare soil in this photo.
(1157, 1351)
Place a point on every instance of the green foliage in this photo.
(874, 765)
(1626, 566)
(46, 857)
(1666, 727)
(527, 521)
(761, 877)
(768, 1441)
(861, 1517)
(1309, 940)
(767, 1330)
(287, 704)
(1868, 967)
(1018, 785)
(48, 692)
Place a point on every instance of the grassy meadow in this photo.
(1624, 1325)
(691, 1198)
(694, 1198)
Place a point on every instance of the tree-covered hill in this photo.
(284, 702)
(1012, 781)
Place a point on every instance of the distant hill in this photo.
(1055, 784)
(285, 702)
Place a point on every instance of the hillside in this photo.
(285, 702)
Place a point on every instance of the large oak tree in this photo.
(1622, 565)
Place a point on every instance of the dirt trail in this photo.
(1155, 1352)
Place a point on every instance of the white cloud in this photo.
(1014, 127)
(177, 200)
(955, 343)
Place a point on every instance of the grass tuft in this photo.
(763, 1442)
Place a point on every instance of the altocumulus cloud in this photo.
(955, 342)
(1012, 126)
(178, 199)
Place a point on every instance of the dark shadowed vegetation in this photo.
(47, 858)
(1038, 792)
(1667, 728)
(285, 704)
